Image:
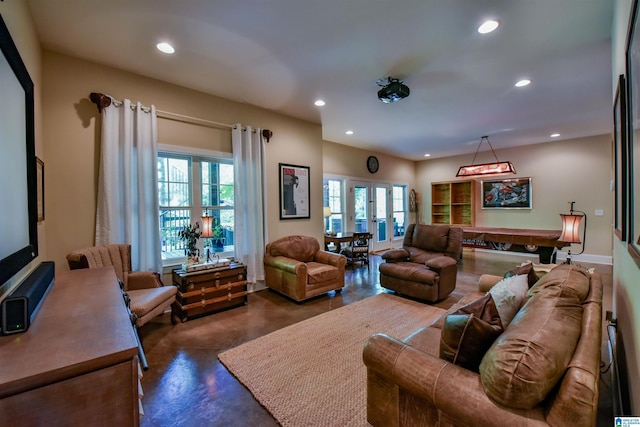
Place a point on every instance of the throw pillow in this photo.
(565, 275)
(509, 295)
(527, 361)
(469, 332)
(527, 269)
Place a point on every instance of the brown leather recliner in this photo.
(296, 267)
(149, 297)
(427, 265)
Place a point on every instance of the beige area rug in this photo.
(311, 373)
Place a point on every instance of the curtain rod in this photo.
(103, 101)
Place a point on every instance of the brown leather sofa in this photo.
(543, 370)
(426, 266)
(296, 267)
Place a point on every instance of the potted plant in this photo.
(190, 234)
(217, 236)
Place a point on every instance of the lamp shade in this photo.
(495, 168)
(207, 224)
(570, 228)
(486, 169)
(326, 211)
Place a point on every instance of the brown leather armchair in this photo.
(296, 267)
(148, 296)
(427, 265)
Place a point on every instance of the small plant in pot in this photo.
(217, 236)
(190, 234)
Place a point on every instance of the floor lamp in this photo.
(571, 229)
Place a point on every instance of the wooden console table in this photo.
(78, 362)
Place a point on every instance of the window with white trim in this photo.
(333, 197)
(190, 187)
(399, 209)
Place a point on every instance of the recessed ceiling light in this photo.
(523, 83)
(488, 26)
(554, 135)
(427, 155)
(165, 48)
(319, 103)
(349, 132)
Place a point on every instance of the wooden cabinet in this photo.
(77, 364)
(208, 291)
(453, 202)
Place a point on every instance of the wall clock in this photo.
(373, 164)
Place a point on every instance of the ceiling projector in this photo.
(393, 91)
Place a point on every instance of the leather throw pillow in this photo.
(509, 295)
(469, 331)
(527, 269)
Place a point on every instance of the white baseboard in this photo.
(590, 258)
(560, 256)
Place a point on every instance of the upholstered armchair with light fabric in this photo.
(296, 267)
(149, 297)
(426, 266)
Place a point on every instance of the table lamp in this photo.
(207, 232)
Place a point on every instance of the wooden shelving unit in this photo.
(453, 202)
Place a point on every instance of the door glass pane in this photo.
(381, 213)
(361, 201)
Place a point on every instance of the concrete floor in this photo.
(187, 386)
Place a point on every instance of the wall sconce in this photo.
(482, 169)
(571, 229)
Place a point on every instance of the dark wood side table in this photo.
(209, 291)
(337, 240)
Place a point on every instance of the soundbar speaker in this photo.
(18, 310)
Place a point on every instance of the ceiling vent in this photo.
(393, 90)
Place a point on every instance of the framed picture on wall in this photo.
(294, 191)
(512, 193)
(620, 158)
(633, 115)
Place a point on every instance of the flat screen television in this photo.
(18, 188)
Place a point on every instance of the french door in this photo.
(370, 203)
(381, 216)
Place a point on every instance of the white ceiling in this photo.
(284, 54)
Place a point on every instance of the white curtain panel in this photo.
(250, 212)
(127, 186)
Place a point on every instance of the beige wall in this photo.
(17, 18)
(562, 171)
(626, 273)
(348, 161)
(72, 127)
